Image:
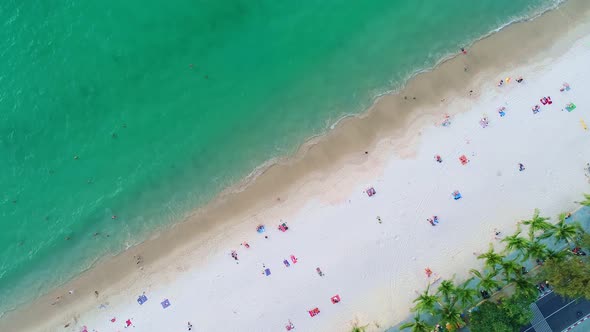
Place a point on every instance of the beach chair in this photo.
(371, 191)
(286, 262)
(165, 304)
(335, 299)
(267, 272)
(142, 299)
(313, 312)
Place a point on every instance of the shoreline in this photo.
(343, 145)
(243, 184)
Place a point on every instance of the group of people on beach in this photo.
(518, 80)
(433, 221)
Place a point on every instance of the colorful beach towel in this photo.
(142, 299)
(570, 107)
(165, 304)
(313, 312)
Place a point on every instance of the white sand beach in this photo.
(375, 267)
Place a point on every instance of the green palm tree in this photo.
(446, 289)
(465, 295)
(586, 201)
(450, 315)
(511, 269)
(556, 255)
(563, 231)
(493, 259)
(486, 281)
(426, 302)
(357, 328)
(524, 287)
(536, 224)
(418, 325)
(536, 250)
(516, 243)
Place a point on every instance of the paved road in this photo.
(553, 313)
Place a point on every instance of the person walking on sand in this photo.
(189, 326)
(520, 167)
(57, 300)
(379, 219)
(431, 221)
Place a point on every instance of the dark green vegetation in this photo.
(497, 298)
(506, 316)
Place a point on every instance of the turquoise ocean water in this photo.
(165, 104)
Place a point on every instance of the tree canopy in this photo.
(508, 316)
(569, 277)
(517, 308)
(490, 317)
